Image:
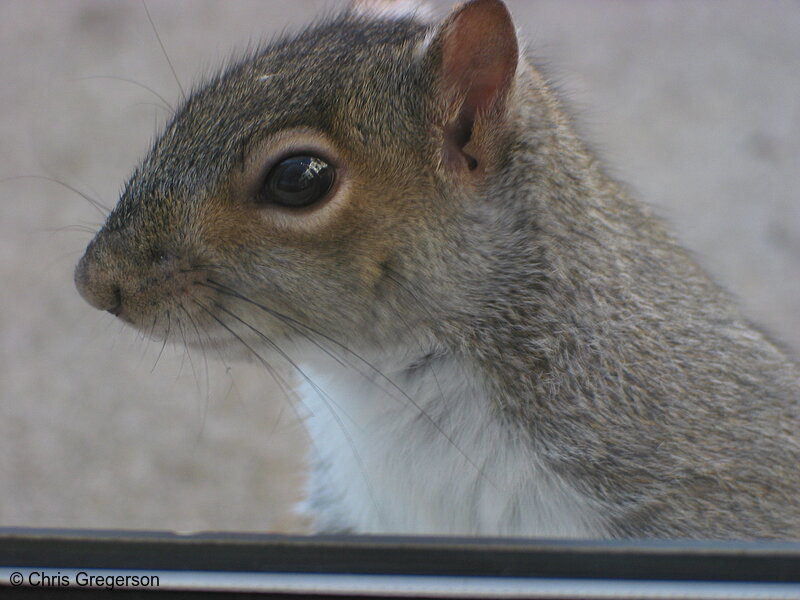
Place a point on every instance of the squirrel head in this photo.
(319, 183)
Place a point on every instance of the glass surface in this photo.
(692, 104)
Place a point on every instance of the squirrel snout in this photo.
(101, 292)
(135, 286)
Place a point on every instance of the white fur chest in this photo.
(382, 466)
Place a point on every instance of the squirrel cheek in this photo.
(173, 284)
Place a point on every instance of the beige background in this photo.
(696, 104)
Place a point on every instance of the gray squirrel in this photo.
(491, 337)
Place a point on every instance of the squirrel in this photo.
(491, 336)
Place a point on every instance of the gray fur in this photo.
(604, 345)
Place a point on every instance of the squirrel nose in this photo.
(116, 308)
(99, 291)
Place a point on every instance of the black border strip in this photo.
(380, 555)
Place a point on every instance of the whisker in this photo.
(289, 320)
(285, 387)
(102, 209)
(334, 414)
(156, 108)
(394, 276)
(207, 398)
(72, 228)
(340, 360)
(289, 360)
(166, 337)
(302, 329)
(167, 105)
(202, 350)
(188, 356)
(70, 254)
(390, 274)
(164, 50)
(277, 422)
(185, 348)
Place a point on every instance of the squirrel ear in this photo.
(397, 9)
(477, 54)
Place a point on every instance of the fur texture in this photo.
(369, 479)
(501, 340)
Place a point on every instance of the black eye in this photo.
(298, 181)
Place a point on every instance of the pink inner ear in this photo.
(479, 60)
(480, 55)
(481, 96)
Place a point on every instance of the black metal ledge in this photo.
(372, 558)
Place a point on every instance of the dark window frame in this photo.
(739, 567)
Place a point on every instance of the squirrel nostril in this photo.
(116, 308)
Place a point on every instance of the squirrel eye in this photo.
(297, 181)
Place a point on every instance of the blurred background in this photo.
(695, 104)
